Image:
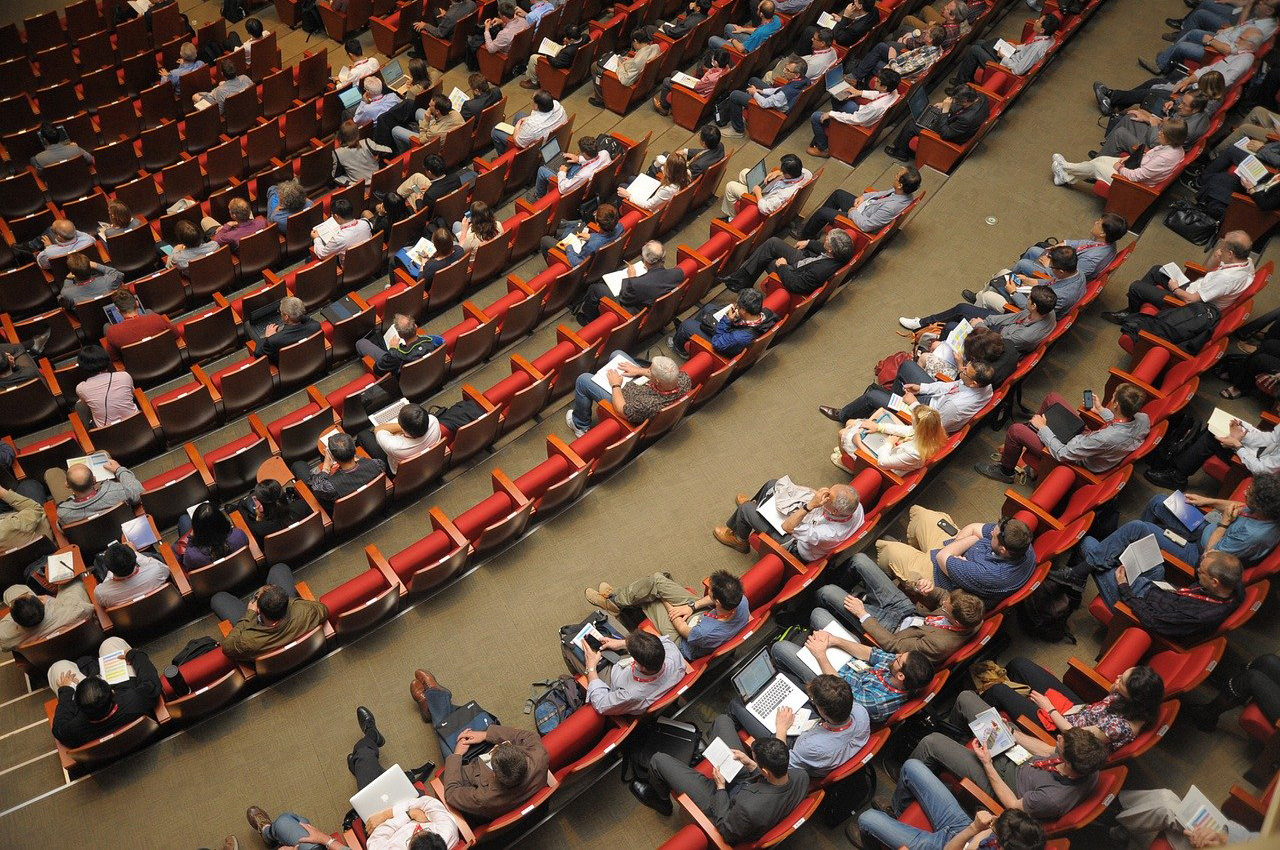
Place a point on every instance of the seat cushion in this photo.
(354, 592)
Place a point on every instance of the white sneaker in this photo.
(1059, 158)
(730, 133)
(911, 324)
(568, 418)
(1060, 175)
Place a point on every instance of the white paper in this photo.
(1176, 275)
(503, 126)
(642, 188)
(959, 334)
(95, 462)
(1220, 423)
(722, 312)
(59, 567)
(327, 229)
(457, 97)
(1017, 754)
(113, 668)
(828, 20)
(683, 79)
(191, 511)
(422, 250)
(1164, 585)
(1196, 810)
(614, 279)
(769, 510)
(910, 623)
(602, 374)
(574, 241)
(612, 64)
(896, 403)
(138, 532)
(140, 6)
(1141, 556)
(548, 47)
(719, 754)
(837, 657)
(1004, 48)
(1244, 143)
(1251, 172)
(989, 728)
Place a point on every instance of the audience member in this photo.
(1093, 255)
(87, 280)
(573, 38)
(575, 171)
(89, 496)
(358, 65)
(445, 20)
(61, 239)
(189, 244)
(424, 188)
(803, 268)
(630, 64)
(105, 395)
(243, 223)
(531, 128)
(746, 38)
(955, 119)
(188, 60)
(1025, 56)
(1065, 279)
(1156, 163)
(356, 159)
(478, 226)
(778, 186)
(483, 95)
(414, 431)
(956, 401)
(638, 289)
(374, 103)
(339, 473)
(1145, 813)
(731, 328)
(709, 71)
(409, 345)
(579, 240)
(124, 574)
(88, 707)
(283, 200)
(120, 219)
(870, 212)
(909, 446)
(271, 507)
(289, 829)
(842, 728)
(788, 85)
(1229, 272)
(909, 64)
(1014, 829)
(1258, 683)
(24, 520)
(273, 617)
(233, 82)
(496, 34)
(865, 109)
(209, 536)
(58, 147)
(294, 326)
(352, 230)
(673, 177)
(1231, 67)
(1256, 449)
(698, 625)
(814, 522)
(653, 667)
(31, 617)
(634, 401)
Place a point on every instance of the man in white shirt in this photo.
(816, 63)
(65, 239)
(812, 530)
(358, 68)
(395, 828)
(413, 432)
(1230, 272)
(778, 187)
(129, 574)
(1232, 68)
(654, 667)
(864, 109)
(533, 128)
(352, 230)
(956, 401)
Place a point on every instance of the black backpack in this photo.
(1044, 614)
(617, 150)
(233, 11)
(673, 737)
(560, 698)
(1184, 431)
(1189, 327)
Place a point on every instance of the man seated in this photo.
(1143, 814)
(990, 560)
(1231, 66)
(31, 617)
(340, 473)
(698, 626)
(1023, 330)
(639, 290)
(1257, 450)
(134, 325)
(87, 280)
(870, 212)
(22, 517)
(294, 326)
(895, 623)
(764, 792)
(684, 23)
(409, 346)
(633, 400)
(571, 39)
(955, 118)
(771, 194)
(483, 95)
(414, 431)
(375, 102)
(815, 522)
(1230, 272)
(352, 230)
(1093, 255)
(88, 707)
(89, 496)
(293, 830)
(443, 21)
(746, 38)
(57, 148)
(496, 34)
(188, 60)
(630, 64)
(233, 82)
(863, 109)
(576, 170)
(653, 667)
(1014, 828)
(127, 574)
(802, 268)
(821, 56)
(956, 401)
(422, 189)
(787, 86)
(531, 128)
(1125, 427)
(909, 63)
(59, 240)
(273, 617)
(1137, 126)
(708, 72)
(842, 729)
(243, 223)
(589, 240)
(954, 16)
(358, 65)
(742, 323)
(1025, 56)
(1156, 164)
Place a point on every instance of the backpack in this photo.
(617, 150)
(233, 10)
(560, 698)
(1046, 611)
(194, 649)
(673, 737)
(1189, 327)
(1184, 431)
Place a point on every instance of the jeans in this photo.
(1188, 48)
(542, 183)
(886, 604)
(734, 106)
(1102, 556)
(1210, 16)
(232, 609)
(502, 140)
(716, 42)
(946, 815)
(440, 704)
(184, 524)
(786, 655)
(586, 393)
(287, 829)
(1028, 265)
(401, 136)
(864, 405)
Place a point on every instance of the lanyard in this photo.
(938, 621)
(1189, 593)
(879, 674)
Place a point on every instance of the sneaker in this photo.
(994, 471)
(1170, 478)
(1103, 95)
(837, 457)
(1060, 176)
(573, 426)
(897, 154)
(911, 323)
(730, 132)
(1150, 68)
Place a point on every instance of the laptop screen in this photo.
(835, 76)
(349, 96)
(113, 314)
(754, 676)
(391, 72)
(550, 151)
(756, 176)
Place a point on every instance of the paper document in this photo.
(1189, 515)
(828, 20)
(896, 403)
(1220, 423)
(1196, 810)
(722, 312)
(191, 511)
(955, 339)
(602, 375)
(580, 639)
(1251, 172)
(138, 532)
(1244, 143)
(503, 126)
(1175, 274)
(642, 188)
(457, 97)
(574, 241)
(990, 729)
(327, 229)
(59, 567)
(95, 462)
(140, 6)
(614, 279)
(548, 47)
(114, 668)
(719, 754)
(837, 657)
(683, 79)
(422, 250)
(769, 510)
(389, 413)
(612, 64)
(1141, 556)
(1004, 48)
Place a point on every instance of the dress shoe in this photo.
(369, 725)
(818, 152)
(600, 601)
(726, 536)
(1170, 478)
(258, 819)
(741, 499)
(596, 102)
(994, 471)
(1116, 317)
(418, 691)
(1171, 36)
(36, 346)
(528, 84)
(645, 793)
(969, 295)
(832, 413)
(1150, 68)
(351, 763)
(1092, 154)
(426, 678)
(897, 154)
(853, 833)
(422, 773)
(1176, 23)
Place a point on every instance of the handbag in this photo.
(1134, 159)
(1192, 224)
(887, 368)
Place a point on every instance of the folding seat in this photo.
(473, 344)
(291, 656)
(95, 533)
(478, 434)
(443, 53)
(33, 226)
(92, 318)
(295, 435)
(21, 147)
(340, 23)
(524, 165)
(140, 75)
(154, 359)
(210, 332)
(301, 125)
(355, 510)
(158, 104)
(20, 195)
(224, 164)
(186, 411)
(526, 402)
(141, 195)
(789, 824)
(233, 467)
(219, 202)
(298, 227)
(263, 144)
(362, 601)
(148, 611)
(115, 163)
(429, 562)
(522, 316)
(68, 180)
(303, 361)
(77, 761)
(28, 406)
(361, 262)
(133, 251)
(448, 284)
(297, 542)
(57, 65)
(422, 377)
(491, 257)
(17, 113)
(491, 177)
(257, 252)
(315, 169)
(184, 179)
(343, 334)
(511, 819)
(23, 290)
(622, 99)
(84, 18)
(211, 273)
(167, 496)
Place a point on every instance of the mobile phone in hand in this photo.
(948, 527)
(592, 641)
(1088, 399)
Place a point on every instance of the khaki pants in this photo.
(733, 192)
(1257, 126)
(910, 562)
(649, 593)
(990, 299)
(110, 645)
(416, 184)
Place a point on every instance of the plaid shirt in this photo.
(872, 689)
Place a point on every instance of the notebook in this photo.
(504, 127)
(1251, 172)
(601, 376)
(642, 188)
(327, 229)
(1175, 274)
(422, 251)
(721, 757)
(1004, 49)
(828, 20)
(683, 79)
(614, 280)
(1188, 514)
(1196, 810)
(548, 47)
(1141, 556)
(139, 533)
(1220, 423)
(1064, 423)
(612, 64)
(95, 462)
(60, 567)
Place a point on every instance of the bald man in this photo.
(89, 497)
(814, 524)
(62, 239)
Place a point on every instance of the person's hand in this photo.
(977, 320)
(1203, 836)
(418, 815)
(818, 642)
(945, 105)
(924, 586)
(802, 244)
(590, 656)
(67, 679)
(1121, 576)
(718, 778)
(1268, 383)
(911, 388)
(1235, 435)
(855, 606)
(624, 194)
(252, 607)
(684, 611)
(112, 466)
(1253, 146)
(1231, 512)
(1042, 702)
(752, 89)
(983, 819)
(270, 329)
(419, 26)
(1009, 285)
(1197, 500)
(1038, 421)
(784, 718)
(781, 261)
(743, 759)
(315, 836)
(46, 240)
(733, 313)
(613, 643)
(909, 398)
(980, 750)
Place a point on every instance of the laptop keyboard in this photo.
(770, 698)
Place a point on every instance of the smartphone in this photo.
(1088, 399)
(592, 641)
(948, 527)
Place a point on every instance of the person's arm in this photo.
(955, 549)
(817, 500)
(1005, 795)
(148, 679)
(27, 516)
(126, 479)
(981, 824)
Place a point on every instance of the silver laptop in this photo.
(765, 690)
(390, 413)
(755, 177)
(393, 75)
(389, 789)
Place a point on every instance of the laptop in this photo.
(262, 316)
(1064, 423)
(837, 86)
(389, 789)
(390, 413)
(350, 96)
(755, 176)
(393, 75)
(63, 136)
(764, 690)
(113, 314)
(343, 308)
(550, 151)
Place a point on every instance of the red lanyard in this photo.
(1189, 593)
(879, 674)
(938, 621)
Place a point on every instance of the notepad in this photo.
(140, 6)
(422, 250)
(327, 229)
(457, 97)
(548, 47)
(838, 658)
(1219, 423)
(828, 20)
(114, 668)
(721, 313)
(1251, 172)
(612, 64)
(1188, 514)
(1175, 274)
(642, 188)
(504, 127)
(1004, 49)
(719, 755)
(138, 532)
(573, 241)
(896, 403)
(191, 511)
(614, 280)
(59, 568)
(601, 377)
(1141, 556)
(95, 462)
(683, 79)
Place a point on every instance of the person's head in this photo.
(413, 420)
(227, 68)
(911, 670)
(822, 39)
(726, 590)
(791, 166)
(1043, 300)
(1063, 260)
(406, 326)
(188, 53)
(442, 239)
(1110, 228)
(964, 608)
(929, 435)
(647, 650)
(1140, 691)
(721, 59)
(93, 360)
(483, 223)
(1263, 496)
(955, 11)
(353, 48)
(426, 840)
(589, 146)
(1013, 830)
(119, 214)
(795, 68)
(832, 696)
(434, 165)
(908, 180)
(653, 254)
(1048, 24)
(80, 480)
(772, 756)
(510, 767)
(342, 209)
(838, 244)
(1249, 40)
(253, 26)
(210, 529)
(640, 38)
(186, 233)
(966, 96)
(239, 210)
(888, 80)
(543, 101)
(348, 134)
(372, 86)
(1083, 753)
(1191, 103)
(478, 84)
(125, 301)
(936, 36)
(1011, 538)
(342, 448)
(27, 611)
(766, 10)
(394, 206)
(607, 217)
(78, 267)
(844, 499)
(93, 697)
(1236, 246)
(441, 105)
(273, 603)
(1127, 401)
(1172, 132)
(709, 135)
(119, 559)
(506, 11)
(291, 196)
(1219, 572)
(704, 6)
(1212, 85)
(292, 310)
(981, 374)
(983, 345)
(676, 169)
(750, 303)
(270, 496)
(49, 134)
(572, 33)
(419, 71)
(63, 230)
(664, 373)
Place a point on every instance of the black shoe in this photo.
(422, 773)
(1170, 478)
(1150, 68)
(1176, 23)
(1171, 36)
(897, 154)
(969, 295)
(832, 413)
(350, 820)
(648, 796)
(1116, 317)
(595, 101)
(1092, 154)
(994, 471)
(797, 226)
(1103, 95)
(369, 726)
(36, 346)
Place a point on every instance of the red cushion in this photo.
(554, 358)
(688, 838)
(762, 581)
(1255, 723)
(1127, 651)
(200, 671)
(354, 592)
(699, 367)
(575, 736)
(501, 393)
(175, 394)
(451, 335)
(543, 279)
(499, 308)
(473, 521)
(168, 477)
(338, 398)
(591, 444)
(217, 376)
(538, 480)
(601, 327)
(430, 548)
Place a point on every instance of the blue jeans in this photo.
(287, 829)
(586, 393)
(501, 140)
(1156, 515)
(886, 604)
(401, 135)
(946, 815)
(184, 523)
(440, 703)
(918, 102)
(734, 106)
(1189, 48)
(542, 183)
(1028, 265)
(1210, 16)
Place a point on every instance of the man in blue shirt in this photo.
(788, 86)
(188, 61)
(745, 39)
(608, 228)
(698, 625)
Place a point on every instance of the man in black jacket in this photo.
(575, 37)
(695, 13)
(955, 119)
(409, 346)
(423, 189)
(637, 290)
(699, 159)
(483, 95)
(447, 20)
(340, 472)
(294, 326)
(88, 707)
(802, 268)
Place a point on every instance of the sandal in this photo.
(1247, 347)
(1231, 392)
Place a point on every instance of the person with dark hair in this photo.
(233, 82)
(483, 95)
(31, 617)
(630, 64)
(955, 119)
(355, 159)
(1093, 254)
(294, 326)
(778, 186)
(764, 792)
(256, 32)
(870, 212)
(1229, 272)
(815, 521)
(864, 109)
(57, 148)
(422, 189)
(1023, 330)
(1014, 829)
(105, 395)
(1257, 683)
(588, 241)
(730, 328)
(270, 508)
(684, 23)
(531, 128)
(1065, 279)
(956, 401)
(841, 730)
(273, 617)
(212, 536)
(1140, 127)
(358, 65)
(496, 34)
(571, 39)
(447, 251)
(479, 225)
(387, 212)
(432, 123)
(88, 707)
(352, 230)
(821, 56)
(124, 574)
(189, 244)
(639, 289)
(1229, 68)
(87, 280)
(788, 85)
(1025, 56)
(446, 20)
(653, 667)
(803, 268)
(289, 829)
(120, 219)
(714, 65)
(698, 159)
(414, 431)
(697, 625)
(339, 473)
(576, 170)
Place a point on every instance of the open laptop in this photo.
(837, 86)
(350, 96)
(263, 316)
(394, 76)
(113, 314)
(390, 413)
(389, 789)
(755, 176)
(550, 151)
(764, 690)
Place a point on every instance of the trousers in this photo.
(232, 608)
(649, 593)
(947, 817)
(837, 204)
(910, 562)
(747, 518)
(1022, 436)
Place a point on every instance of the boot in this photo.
(1205, 717)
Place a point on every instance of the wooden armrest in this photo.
(520, 364)
(503, 484)
(868, 459)
(566, 334)
(983, 799)
(1035, 730)
(557, 446)
(144, 405)
(256, 425)
(1244, 808)
(766, 544)
(310, 498)
(723, 226)
(197, 460)
(1090, 678)
(704, 823)
(1025, 503)
(1179, 564)
(239, 522)
(203, 377)
(557, 255)
(470, 392)
(313, 392)
(515, 283)
(471, 311)
(378, 562)
(441, 522)
(82, 435)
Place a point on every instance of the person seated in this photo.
(572, 39)
(358, 65)
(32, 617)
(1212, 16)
(990, 560)
(1014, 829)
(411, 111)
(447, 252)
(822, 56)
(815, 522)
(954, 17)
(842, 727)
(478, 226)
(1093, 255)
(746, 38)
(955, 119)
(386, 213)
(374, 103)
(1131, 705)
(1220, 180)
(1230, 272)
(1146, 813)
(1258, 683)
(630, 64)
(765, 790)
(18, 364)
(283, 200)
(243, 223)
(414, 431)
(1257, 126)
(443, 21)
(88, 496)
(105, 395)
(274, 616)
(57, 148)
(1139, 127)
(778, 186)
(289, 829)
(88, 707)
(608, 228)
(422, 189)
(62, 238)
(870, 212)
(211, 536)
(120, 219)
(575, 171)
(483, 95)
(909, 64)
(294, 326)
(697, 626)
(673, 176)
(233, 82)
(355, 160)
(708, 71)
(531, 128)
(741, 323)
(1101, 450)
(188, 60)
(633, 400)
(1157, 163)
(803, 268)
(1023, 331)
(1045, 788)
(434, 122)
(516, 768)
(910, 447)
(895, 623)
(87, 280)
(339, 473)
(865, 109)
(124, 574)
(254, 29)
(1249, 530)
(684, 23)
(639, 289)
(936, 13)
(496, 34)
(409, 344)
(1026, 55)
(271, 507)
(1257, 450)
(956, 401)
(1064, 277)
(787, 87)
(22, 520)
(653, 667)
(1231, 67)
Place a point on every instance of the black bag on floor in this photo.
(233, 11)
(573, 657)
(1192, 224)
(194, 649)
(676, 739)
(1184, 431)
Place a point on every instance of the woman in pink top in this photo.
(243, 223)
(1157, 164)
(105, 395)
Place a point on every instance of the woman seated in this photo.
(386, 212)
(285, 199)
(191, 245)
(909, 447)
(104, 395)
(477, 227)
(270, 508)
(673, 176)
(209, 536)
(120, 219)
